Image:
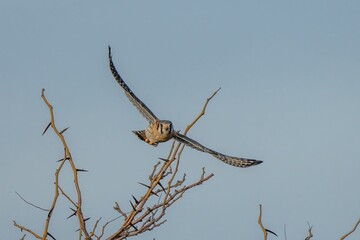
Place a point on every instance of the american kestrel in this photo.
(162, 130)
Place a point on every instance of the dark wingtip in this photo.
(109, 51)
(251, 163)
(256, 162)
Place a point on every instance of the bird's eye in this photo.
(161, 128)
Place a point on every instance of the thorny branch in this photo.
(67, 158)
(145, 217)
(260, 223)
(264, 230)
(142, 217)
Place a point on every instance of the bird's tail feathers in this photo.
(140, 134)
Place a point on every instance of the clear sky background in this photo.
(289, 73)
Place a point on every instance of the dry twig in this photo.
(264, 230)
(143, 218)
(310, 235)
(31, 204)
(67, 156)
(260, 223)
(351, 231)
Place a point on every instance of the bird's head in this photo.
(165, 127)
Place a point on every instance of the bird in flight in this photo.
(162, 130)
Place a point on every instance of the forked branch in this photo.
(310, 235)
(142, 217)
(66, 158)
(146, 213)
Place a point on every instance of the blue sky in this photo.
(290, 78)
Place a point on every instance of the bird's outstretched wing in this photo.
(234, 161)
(143, 109)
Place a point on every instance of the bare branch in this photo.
(46, 210)
(154, 170)
(260, 223)
(351, 231)
(264, 230)
(117, 208)
(202, 111)
(47, 127)
(27, 230)
(67, 154)
(310, 235)
(62, 131)
(103, 228)
(66, 196)
(142, 218)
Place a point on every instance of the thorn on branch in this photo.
(132, 205)
(62, 159)
(163, 159)
(51, 235)
(73, 214)
(136, 201)
(270, 232)
(62, 131)
(148, 188)
(81, 170)
(26, 230)
(161, 186)
(78, 211)
(152, 216)
(50, 212)
(47, 127)
(149, 209)
(86, 219)
(134, 226)
(264, 230)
